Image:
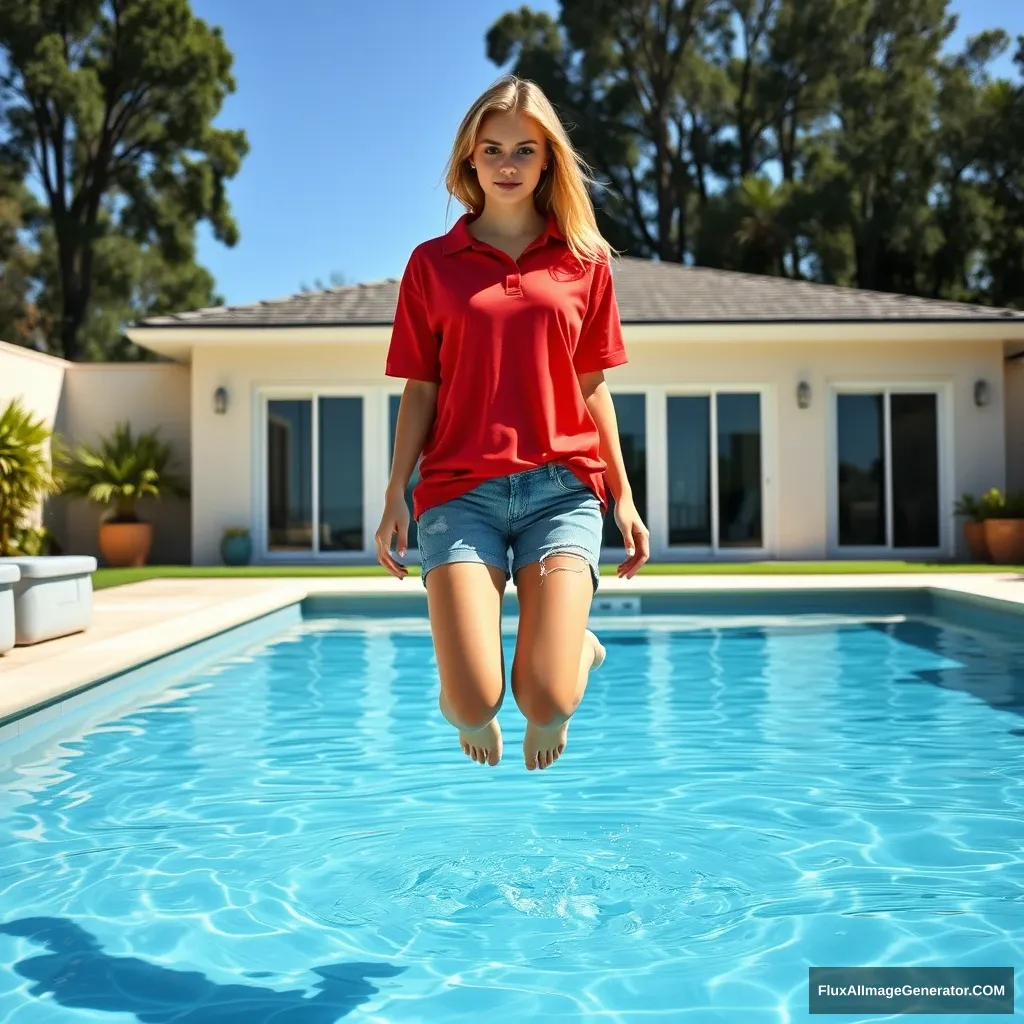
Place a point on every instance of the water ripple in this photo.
(295, 830)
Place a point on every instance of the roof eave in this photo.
(178, 341)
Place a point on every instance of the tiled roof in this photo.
(648, 292)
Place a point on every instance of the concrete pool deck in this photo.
(139, 622)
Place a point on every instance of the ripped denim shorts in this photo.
(516, 520)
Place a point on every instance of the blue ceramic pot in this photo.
(236, 550)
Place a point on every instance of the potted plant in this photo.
(236, 546)
(120, 472)
(969, 509)
(27, 476)
(1004, 527)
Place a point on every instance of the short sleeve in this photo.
(600, 345)
(414, 352)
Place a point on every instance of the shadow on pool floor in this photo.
(76, 973)
(995, 678)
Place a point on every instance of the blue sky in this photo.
(350, 109)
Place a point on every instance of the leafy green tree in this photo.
(886, 141)
(635, 81)
(110, 104)
(19, 315)
(835, 140)
(968, 113)
(1001, 168)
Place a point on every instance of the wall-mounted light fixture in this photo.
(982, 394)
(220, 401)
(803, 394)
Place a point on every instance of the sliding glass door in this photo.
(314, 475)
(715, 472)
(887, 476)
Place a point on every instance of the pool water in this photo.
(292, 834)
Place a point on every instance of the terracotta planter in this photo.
(125, 544)
(1005, 540)
(974, 533)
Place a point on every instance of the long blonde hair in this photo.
(562, 189)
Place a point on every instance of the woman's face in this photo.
(510, 155)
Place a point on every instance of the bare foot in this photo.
(484, 745)
(481, 745)
(542, 746)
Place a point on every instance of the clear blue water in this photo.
(292, 836)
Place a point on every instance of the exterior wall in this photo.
(83, 401)
(224, 469)
(1015, 425)
(98, 396)
(34, 378)
(798, 467)
(801, 447)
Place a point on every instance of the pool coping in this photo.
(38, 678)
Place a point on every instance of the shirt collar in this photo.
(459, 238)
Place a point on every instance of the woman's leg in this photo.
(556, 545)
(464, 600)
(464, 555)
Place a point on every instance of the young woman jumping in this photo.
(504, 328)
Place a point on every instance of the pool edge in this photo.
(297, 599)
(114, 685)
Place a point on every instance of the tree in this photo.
(835, 140)
(645, 101)
(110, 105)
(886, 141)
(1001, 167)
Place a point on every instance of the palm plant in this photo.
(27, 473)
(124, 469)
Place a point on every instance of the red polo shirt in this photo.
(504, 340)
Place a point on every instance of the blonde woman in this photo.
(504, 328)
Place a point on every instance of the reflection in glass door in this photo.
(738, 432)
(341, 474)
(715, 471)
(314, 474)
(289, 475)
(888, 470)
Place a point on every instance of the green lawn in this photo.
(116, 577)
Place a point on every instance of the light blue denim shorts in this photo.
(516, 520)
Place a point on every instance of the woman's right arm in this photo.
(416, 413)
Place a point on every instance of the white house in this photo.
(760, 417)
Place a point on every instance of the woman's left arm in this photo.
(635, 536)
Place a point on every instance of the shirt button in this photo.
(512, 282)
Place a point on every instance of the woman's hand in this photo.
(393, 523)
(635, 536)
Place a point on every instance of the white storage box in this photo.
(9, 575)
(53, 597)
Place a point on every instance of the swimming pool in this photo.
(290, 832)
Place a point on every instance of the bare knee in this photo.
(471, 707)
(543, 699)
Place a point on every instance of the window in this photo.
(314, 474)
(888, 470)
(341, 474)
(715, 470)
(289, 476)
